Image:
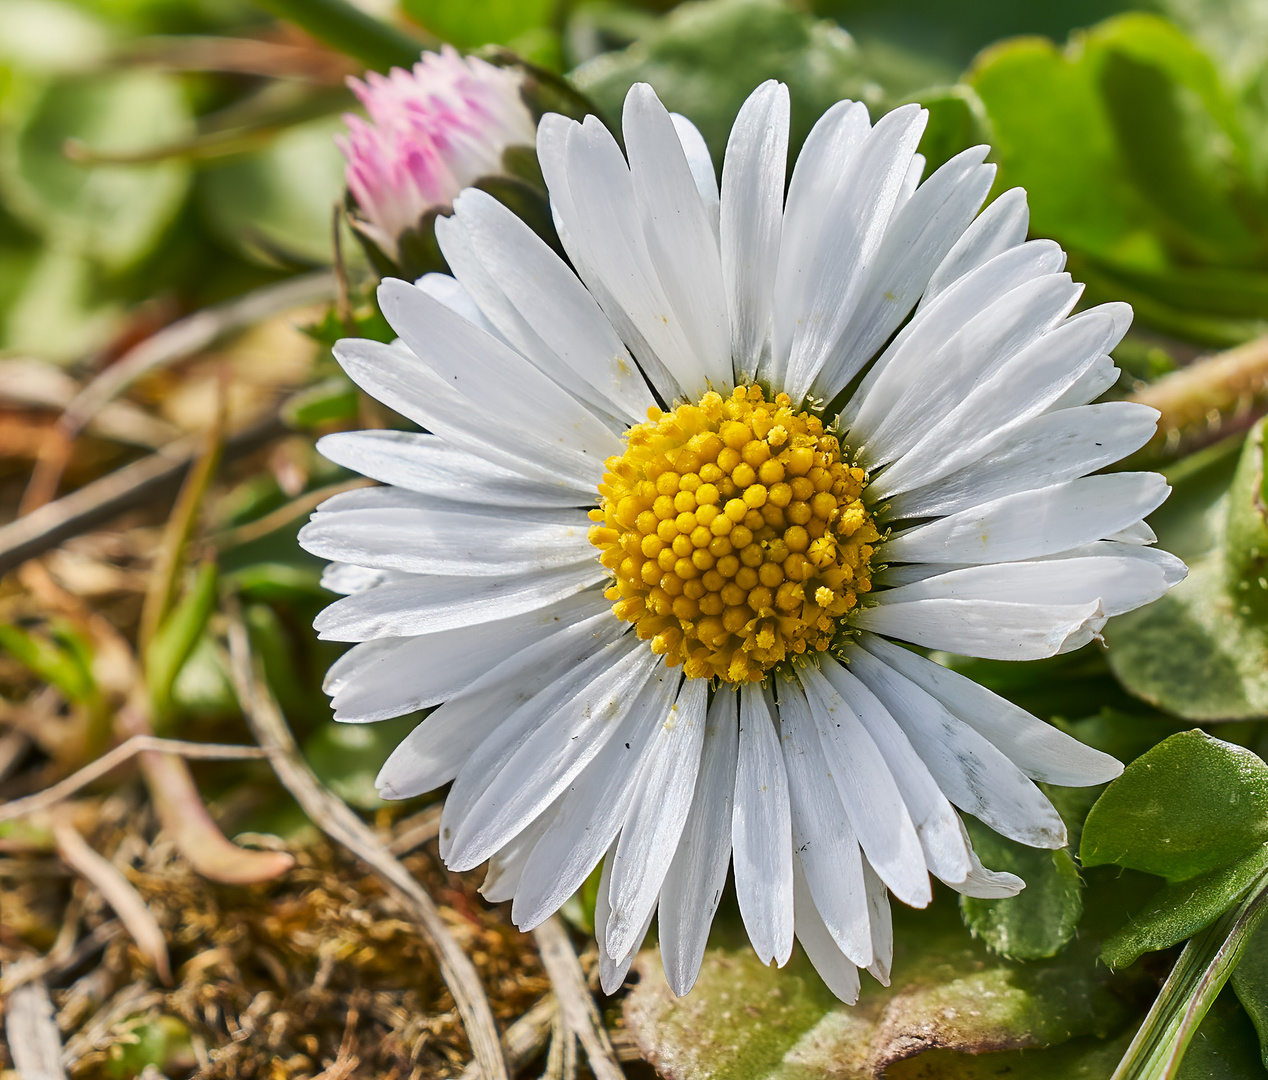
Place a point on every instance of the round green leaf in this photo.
(1038, 921)
(116, 214)
(1190, 805)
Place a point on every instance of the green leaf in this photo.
(347, 757)
(1180, 910)
(468, 23)
(116, 214)
(350, 30)
(957, 120)
(1041, 919)
(1201, 651)
(1205, 965)
(744, 1021)
(1250, 982)
(51, 36)
(176, 639)
(51, 662)
(334, 399)
(275, 205)
(1190, 805)
(705, 58)
(1225, 1047)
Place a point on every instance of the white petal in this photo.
(868, 791)
(656, 817)
(612, 969)
(680, 239)
(1138, 532)
(548, 742)
(972, 773)
(447, 289)
(701, 164)
(693, 886)
(936, 822)
(830, 146)
(554, 306)
(922, 232)
(752, 219)
(1032, 523)
(395, 376)
(425, 541)
(936, 325)
(506, 866)
(393, 676)
(435, 751)
(1044, 450)
(1090, 385)
(608, 224)
(985, 884)
(1038, 749)
(826, 848)
(882, 924)
(830, 282)
(915, 396)
(834, 968)
(479, 366)
(555, 133)
(593, 807)
(429, 465)
(404, 606)
(988, 628)
(346, 579)
(1120, 583)
(1021, 389)
(761, 832)
(1001, 226)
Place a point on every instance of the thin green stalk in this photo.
(1192, 987)
(340, 25)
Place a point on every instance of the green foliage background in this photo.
(130, 176)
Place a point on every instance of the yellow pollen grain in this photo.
(736, 533)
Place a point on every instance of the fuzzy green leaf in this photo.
(1181, 909)
(1190, 805)
(1040, 920)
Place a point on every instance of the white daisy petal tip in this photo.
(620, 687)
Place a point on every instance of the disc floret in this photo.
(736, 532)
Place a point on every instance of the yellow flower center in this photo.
(736, 532)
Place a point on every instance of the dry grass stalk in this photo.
(342, 825)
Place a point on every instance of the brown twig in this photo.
(183, 338)
(335, 819)
(283, 515)
(118, 892)
(1208, 399)
(575, 1003)
(525, 1038)
(134, 485)
(416, 831)
(58, 960)
(34, 1042)
(108, 762)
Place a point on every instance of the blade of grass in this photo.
(349, 30)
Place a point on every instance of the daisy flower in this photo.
(433, 131)
(679, 500)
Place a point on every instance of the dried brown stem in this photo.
(1208, 399)
(174, 342)
(338, 822)
(34, 1041)
(579, 1011)
(118, 892)
(133, 485)
(525, 1038)
(108, 762)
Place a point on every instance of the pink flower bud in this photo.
(432, 131)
